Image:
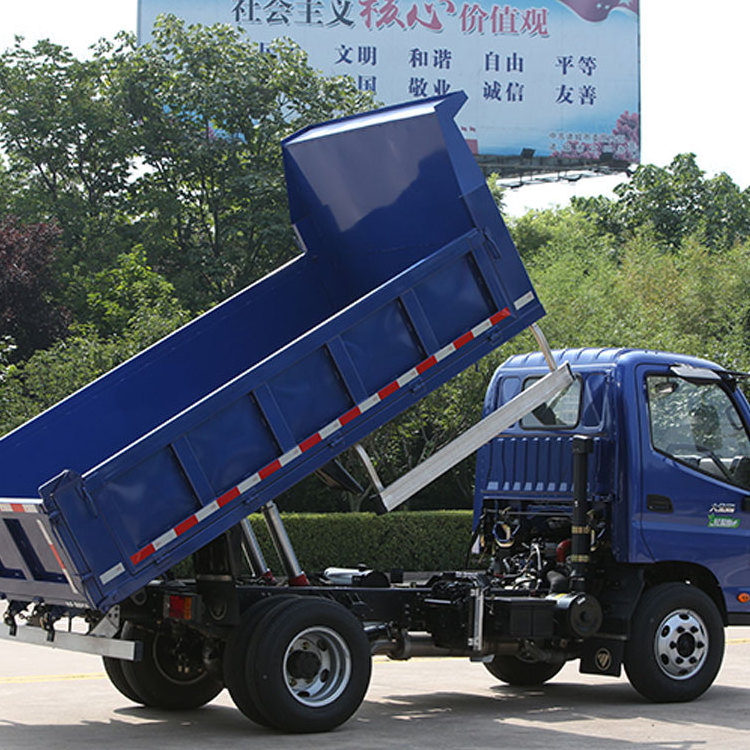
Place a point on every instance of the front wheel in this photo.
(676, 643)
(521, 672)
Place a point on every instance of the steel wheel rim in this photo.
(681, 644)
(317, 666)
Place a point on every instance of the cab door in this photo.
(695, 484)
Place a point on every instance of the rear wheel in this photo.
(172, 673)
(113, 668)
(308, 665)
(676, 643)
(516, 671)
(236, 651)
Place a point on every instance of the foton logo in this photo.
(603, 659)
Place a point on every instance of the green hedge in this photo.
(428, 540)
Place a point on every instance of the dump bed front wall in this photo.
(352, 225)
(174, 491)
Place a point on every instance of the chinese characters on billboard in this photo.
(560, 77)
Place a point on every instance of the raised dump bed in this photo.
(407, 276)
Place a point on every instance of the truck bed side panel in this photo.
(175, 490)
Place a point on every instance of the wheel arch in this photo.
(692, 573)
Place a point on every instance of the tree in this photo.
(68, 144)
(676, 201)
(601, 290)
(49, 375)
(110, 300)
(209, 110)
(28, 313)
(200, 112)
(574, 268)
(171, 148)
(537, 229)
(497, 192)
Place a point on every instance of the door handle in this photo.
(660, 503)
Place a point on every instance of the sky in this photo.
(694, 59)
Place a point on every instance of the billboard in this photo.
(550, 82)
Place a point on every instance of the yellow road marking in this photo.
(51, 678)
(101, 675)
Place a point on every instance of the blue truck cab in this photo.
(667, 509)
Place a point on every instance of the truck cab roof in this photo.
(606, 357)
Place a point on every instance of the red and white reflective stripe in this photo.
(16, 505)
(57, 556)
(305, 445)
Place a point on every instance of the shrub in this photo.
(429, 540)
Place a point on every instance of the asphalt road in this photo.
(61, 700)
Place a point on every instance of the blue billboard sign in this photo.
(556, 78)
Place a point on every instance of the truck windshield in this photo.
(698, 424)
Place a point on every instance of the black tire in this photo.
(514, 671)
(676, 643)
(308, 665)
(235, 656)
(171, 674)
(113, 668)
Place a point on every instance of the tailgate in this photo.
(33, 565)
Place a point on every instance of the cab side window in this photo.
(697, 424)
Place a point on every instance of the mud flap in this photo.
(602, 656)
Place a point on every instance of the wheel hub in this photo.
(317, 666)
(686, 645)
(303, 665)
(681, 644)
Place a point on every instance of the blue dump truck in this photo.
(407, 275)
